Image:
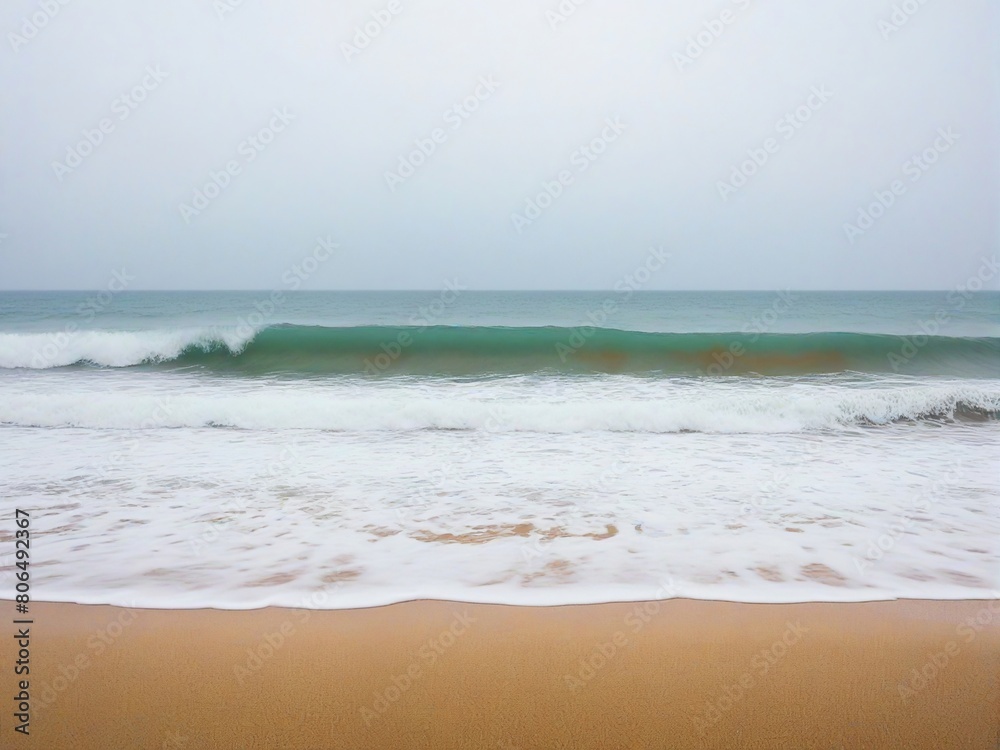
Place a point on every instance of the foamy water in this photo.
(515, 490)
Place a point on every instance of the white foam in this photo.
(40, 351)
(616, 405)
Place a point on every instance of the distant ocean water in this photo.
(342, 449)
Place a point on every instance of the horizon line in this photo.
(488, 291)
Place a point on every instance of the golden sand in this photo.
(671, 674)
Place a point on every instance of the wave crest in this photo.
(472, 350)
(42, 351)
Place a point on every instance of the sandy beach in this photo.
(670, 674)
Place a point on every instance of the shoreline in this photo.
(534, 598)
(437, 674)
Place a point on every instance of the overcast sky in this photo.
(747, 138)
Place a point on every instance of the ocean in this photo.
(348, 449)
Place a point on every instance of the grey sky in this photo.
(874, 95)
